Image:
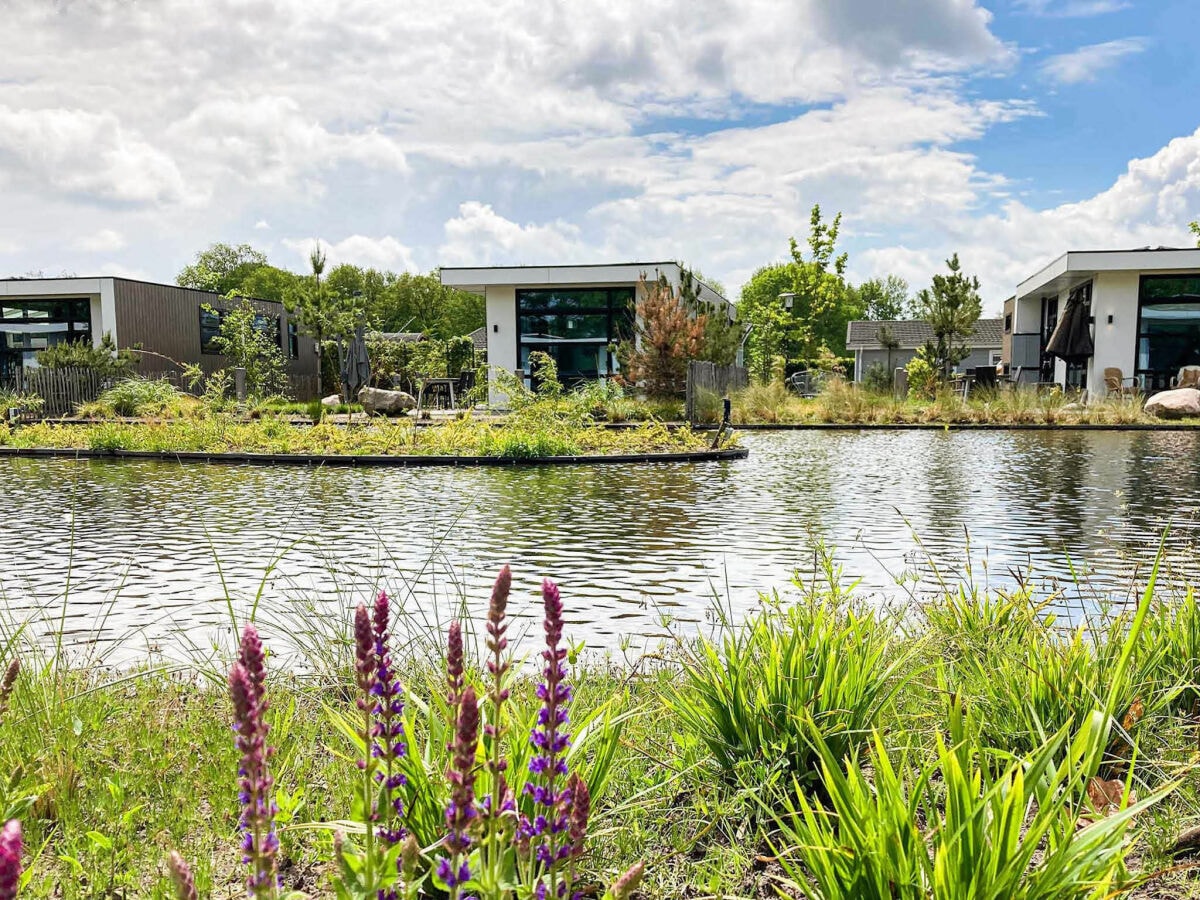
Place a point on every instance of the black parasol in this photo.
(1072, 337)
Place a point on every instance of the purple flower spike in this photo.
(181, 874)
(364, 651)
(10, 859)
(247, 678)
(387, 732)
(454, 665)
(578, 814)
(550, 741)
(10, 679)
(460, 812)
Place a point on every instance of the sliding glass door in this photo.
(1168, 328)
(577, 327)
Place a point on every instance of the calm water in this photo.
(150, 551)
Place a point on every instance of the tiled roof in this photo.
(910, 334)
(479, 337)
(399, 337)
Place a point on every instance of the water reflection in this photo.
(156, 548)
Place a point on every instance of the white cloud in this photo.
(478, 236)
(74, 151)
(1088, 63)
(262, 225)
(1148, 205)
(374, 253)
(106, 240)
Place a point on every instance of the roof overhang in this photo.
(1077, 266)
(51, 287)
(477, 279)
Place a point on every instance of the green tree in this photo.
(822, 298)
(321, 313)
(951, 307)
(250, 342)
(721, 334)
(268, 283)
(800, 309)
(772, 327)
(409, 302)
(221, 268)
(1195, 227)
(884, 299)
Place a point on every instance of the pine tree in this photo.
(667, 336)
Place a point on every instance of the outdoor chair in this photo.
(1117, 384)
(1189, 376)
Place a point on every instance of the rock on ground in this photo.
(377, 400)
(332, 400)
(1177, 404)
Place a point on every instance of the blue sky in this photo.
(536, 131)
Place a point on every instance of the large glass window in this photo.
(27, 326)
(210, 328)
(1168, 328)
(576, 327)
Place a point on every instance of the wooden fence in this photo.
(61, 390)
(707, 383)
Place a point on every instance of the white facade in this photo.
(500, 285)
(99, 291)
(1115, 277)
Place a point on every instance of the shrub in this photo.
(757, 695)
(922, 378)
(106, 359)
(877, 379)
(135, 397)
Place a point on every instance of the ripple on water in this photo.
(151, 547)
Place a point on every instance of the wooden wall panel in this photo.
(165, 319)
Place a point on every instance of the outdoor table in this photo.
(447, 383)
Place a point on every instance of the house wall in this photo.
(165, 319)
(1006, 316)
(900, 358)
(1113, 294)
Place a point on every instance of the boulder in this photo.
(332, 400)
(377, 400)
(1177, 404)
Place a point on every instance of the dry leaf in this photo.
(1137, 709)
(1106, 796)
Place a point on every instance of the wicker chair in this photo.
(1189, 376)
(1116, 383)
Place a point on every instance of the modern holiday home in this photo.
(169, 324)
(576, 314)
(892, 344)
(1130, 315)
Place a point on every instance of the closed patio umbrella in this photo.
(356, 365)
(1072, 338)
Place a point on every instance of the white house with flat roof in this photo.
(1143, 307)
(576, 314)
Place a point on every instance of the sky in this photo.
(489, 132)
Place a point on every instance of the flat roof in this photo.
(476, 279)
(90, 284)
(1076, 266)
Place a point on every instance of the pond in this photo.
(153, 555)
